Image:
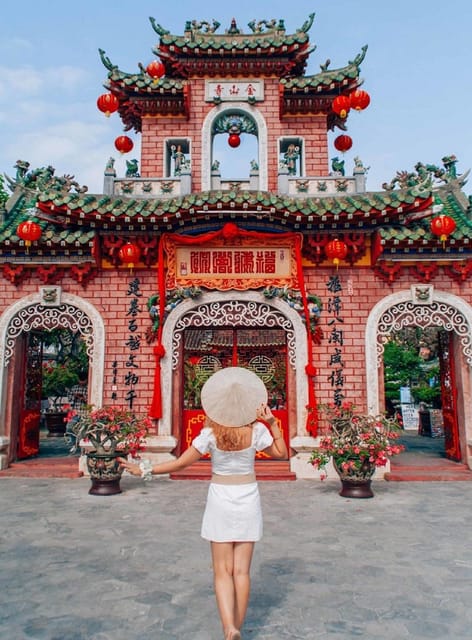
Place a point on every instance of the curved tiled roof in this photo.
(399, 219)
(326, 78)
(206, 39)
(367, 210)
(417, 238)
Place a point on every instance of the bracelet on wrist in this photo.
(146, 469)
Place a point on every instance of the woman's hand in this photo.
(264, 413)
(130, 467)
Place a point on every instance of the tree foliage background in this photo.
(411, 360)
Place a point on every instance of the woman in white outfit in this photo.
(234, 400)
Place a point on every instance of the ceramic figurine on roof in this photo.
(205, 228)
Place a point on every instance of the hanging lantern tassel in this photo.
(129, 254)
(442, 226)
(336, 250)
(28, 231)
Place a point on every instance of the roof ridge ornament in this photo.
(360, 56)
(106, 61)
(267, 25)
(42, 179)
(426, 174)
(306, 26)
(157, 27)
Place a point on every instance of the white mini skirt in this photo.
(233, 513)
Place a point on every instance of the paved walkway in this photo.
(133, 567)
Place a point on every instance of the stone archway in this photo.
(50, 308)
(250, 308)
(421, 306)
(256, 116)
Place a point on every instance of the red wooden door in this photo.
(263, 351)
(30, 412)
(449, 397)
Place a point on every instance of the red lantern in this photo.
(341, 105)
(155, 69)
(234, 140)
(124, 144)
(343, 143)
(130, 254)
(359, 99)
(28, 231)
(336, 250)
(442, 226)
(108, 103)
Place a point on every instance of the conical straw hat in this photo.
(232, 396)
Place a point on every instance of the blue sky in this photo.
(418, 71)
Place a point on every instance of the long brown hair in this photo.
(230, 438)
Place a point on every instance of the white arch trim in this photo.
(97, 371)
(300, 360)
(371, 342)
(207, 141)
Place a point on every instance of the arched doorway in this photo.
(423, 306)
(46, 310)
(229, 312)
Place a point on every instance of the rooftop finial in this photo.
(233, 30)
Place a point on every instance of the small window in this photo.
(291, 155)
(177, 157)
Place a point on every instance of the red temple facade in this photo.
(293, 269)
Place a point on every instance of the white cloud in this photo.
(72, 147)
(26, 80)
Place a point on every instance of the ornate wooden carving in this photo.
(16, 274)
(459, 271)
(50, 274)
(83, 273)
(388, 271)
(424, 271)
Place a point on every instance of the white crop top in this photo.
(233, 462)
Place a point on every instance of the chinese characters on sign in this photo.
(233, 90)
(133, 343)
(336, 339)
(238, 262)
(216, 267)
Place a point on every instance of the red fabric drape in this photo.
(310, 369)
(159, 351)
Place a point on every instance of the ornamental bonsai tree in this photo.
(57, 379)
(110, 430)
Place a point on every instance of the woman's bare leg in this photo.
(231, 565)
(242, 580)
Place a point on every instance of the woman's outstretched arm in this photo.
(189, 456)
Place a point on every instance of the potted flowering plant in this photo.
(357, 444)
(112, 432)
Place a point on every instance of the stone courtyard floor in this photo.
(133, 566)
